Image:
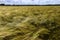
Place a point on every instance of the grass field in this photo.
(29, 22)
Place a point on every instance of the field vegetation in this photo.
(29, 22)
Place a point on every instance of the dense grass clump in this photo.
(29, 23)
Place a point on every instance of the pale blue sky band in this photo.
(30, 2)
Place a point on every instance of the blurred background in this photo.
(29, 2)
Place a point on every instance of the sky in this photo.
(30, 2)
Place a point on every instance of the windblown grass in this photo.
(29, 22)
